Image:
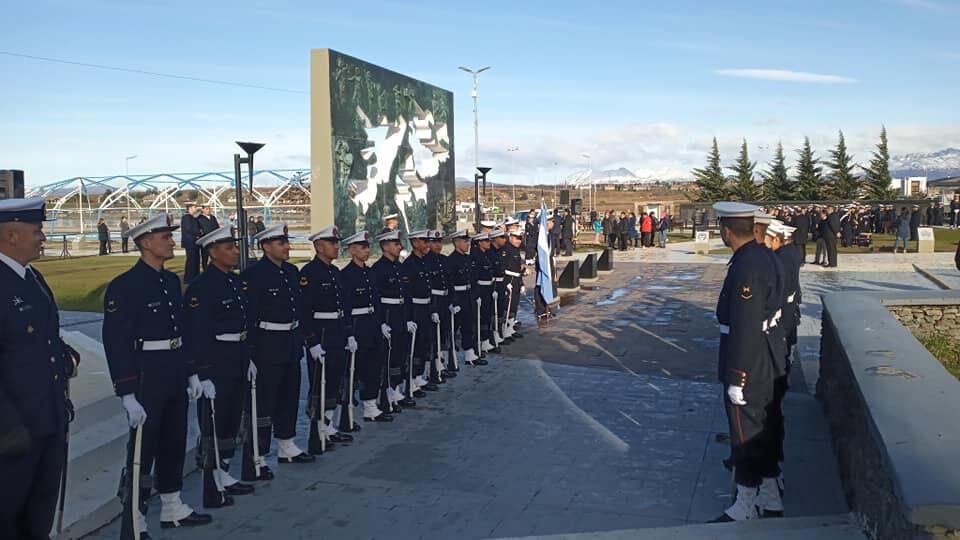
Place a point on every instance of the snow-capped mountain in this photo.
(933, 165)
(626, 176)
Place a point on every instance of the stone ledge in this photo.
(891, 407)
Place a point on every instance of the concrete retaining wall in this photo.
(892, 408)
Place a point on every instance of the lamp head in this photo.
(250, 147)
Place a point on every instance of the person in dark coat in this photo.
(846, 227)
(103, 235)
(955, 211)
(915, 224)
(189, 232)
(35, 364)
(567, 233)
(208, 223)
(830, 234)
(801, 234)
(124, 229)
(531, 230)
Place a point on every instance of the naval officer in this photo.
(34, 367)
(142, 339)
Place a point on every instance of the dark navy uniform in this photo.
(322, 296)
(277, 342)
(512, 263)
(748, 301)
(442, 291)
(362, 319)
(420, 301)
(391, 288)
(460, 276)
(483, 289)
(142, 331)
(438, 294)
(495, 255)
(34, 409)
(215, 336)
(789, 259)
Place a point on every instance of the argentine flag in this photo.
(544, 279)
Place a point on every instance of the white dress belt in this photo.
(439, 292)
(421, 301)
(391, 301)
(278, 326)
(171, 344)
(484, 283)
(362, 310)
(461, 288)
(327, 315)
(232, 338)
(511, 273)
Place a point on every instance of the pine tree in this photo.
(744, 188)
(843, 183)
(711, 184)
(877, 183)
(776, 182)
(809, 174)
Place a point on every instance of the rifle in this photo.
(438, 363)
(453, 346)
(216, 450)
(135, 480)
(479, 350)
(317, 442)
(413, 344)
(385, 405)
(75, 358)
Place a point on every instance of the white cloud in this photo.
(785, 75)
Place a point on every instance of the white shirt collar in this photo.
(15, 266)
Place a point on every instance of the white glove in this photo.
(495, 295)
(411, 327)
(479, 301)
(434, 318)
(454, 309)
(735, 394)
(136, 416)
(351, 344)
(251, 371)
(317, 352)
(194, 389)
(523, 289)
(385, 330)
(510, 287)
(209, 391)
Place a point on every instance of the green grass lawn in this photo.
(946, 349)
(79, 283)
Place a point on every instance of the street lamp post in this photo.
(126, 171)
(590, 185)
(480, 175)
(476, 117)
(250, 148)
(512, 151)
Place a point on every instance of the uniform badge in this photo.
(745, 292)
(304, 281)
(111, 306)
(194, 302)
(17, 301)
(29, 329)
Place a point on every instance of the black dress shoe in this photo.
(483, 354)
(496, 350)
(382, 417)
(193, 520)
(239, 489)
(431, 387)
(447, 374)
(724, 518)
(771, 514)
(265, 475)
(145, 536)
(341, 438)
(302, 457)
(394, 409)
(480, 362)
(408, 402)
(216, 501)
(517, 335)
(419, 394)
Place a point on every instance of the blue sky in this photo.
(638, 84)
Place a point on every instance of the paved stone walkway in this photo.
(607, 418)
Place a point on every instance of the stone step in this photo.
(838, 527)
(98, 439)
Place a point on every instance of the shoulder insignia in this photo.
(745, 292)
(304, 281)
(29, 329)
(194, 302)
(112, 306)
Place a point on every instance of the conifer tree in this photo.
(711, 184)
(744, 188)
(842, 183)
(776, 182)
(877, 182)
(809, 174)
